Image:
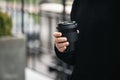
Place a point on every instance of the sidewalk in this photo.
(32, 75)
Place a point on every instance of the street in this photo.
(33, 75)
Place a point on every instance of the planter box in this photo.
(12, 58)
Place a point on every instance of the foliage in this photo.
(5, 24)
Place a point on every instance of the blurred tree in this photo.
(5, 24)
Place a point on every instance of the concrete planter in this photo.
(12, 58)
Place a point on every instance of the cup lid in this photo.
(67, 25)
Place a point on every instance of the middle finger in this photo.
(60, 39)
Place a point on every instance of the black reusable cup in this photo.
(69, 30)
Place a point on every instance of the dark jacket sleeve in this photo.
(68, 58)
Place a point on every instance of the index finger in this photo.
(57, 34)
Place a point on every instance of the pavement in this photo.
(33, 75)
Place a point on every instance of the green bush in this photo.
(5, 24)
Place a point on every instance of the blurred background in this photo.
(27, 48)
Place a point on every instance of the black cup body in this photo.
(69, 30)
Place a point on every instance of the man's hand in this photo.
(61, 43)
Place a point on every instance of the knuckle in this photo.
(55, 40)
(55, 34)
(57, 45)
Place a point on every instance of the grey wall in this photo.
(12, 59)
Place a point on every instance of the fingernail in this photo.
(65, 47)
(60, 34)
(67, 43)
(65, 39)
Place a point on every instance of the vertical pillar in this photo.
(22, 9)
(64, 10)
